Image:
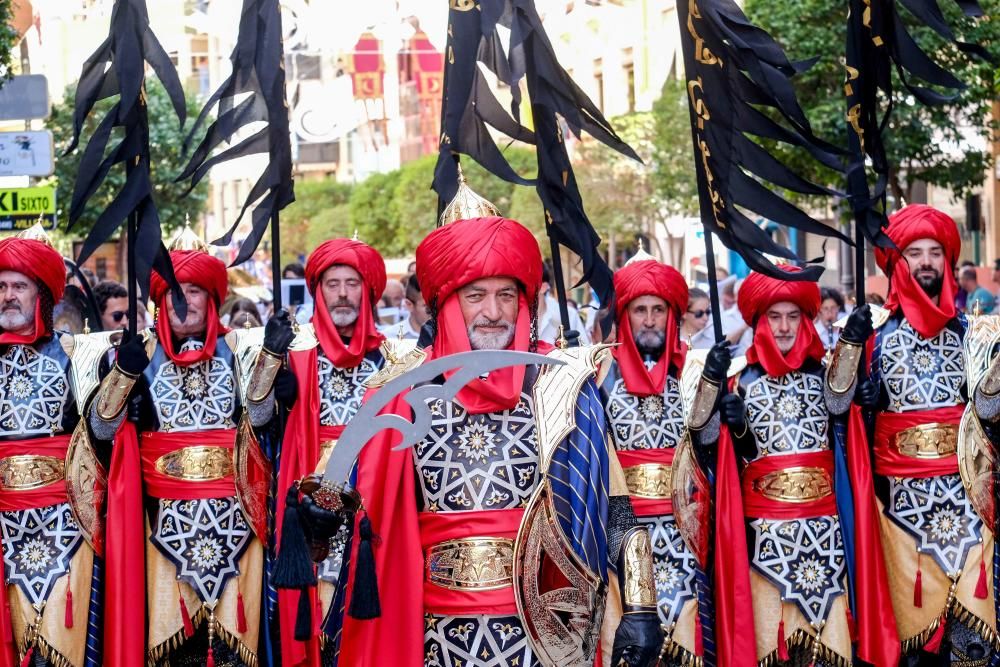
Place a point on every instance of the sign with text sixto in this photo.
(20, 208)
(26, 153)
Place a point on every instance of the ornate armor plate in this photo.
(644, 422)
(196, 397)
(482, 640)
(38, 545)
(673, 568)
(788, 414)
(341, 389)
(34, 391)
(921, 374)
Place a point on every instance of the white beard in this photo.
(12, 321)
(343, 318)
(490, 341)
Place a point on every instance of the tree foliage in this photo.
(318, 213)
(166, 147)
(674, 180)
(943, 146)
(8, 41)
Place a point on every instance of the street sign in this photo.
(20, 208)
(26, 153)
(25, 97)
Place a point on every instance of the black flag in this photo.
(117, 67)
(254, 92)
(732, 68)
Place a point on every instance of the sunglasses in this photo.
(699, 313)
(119, 315)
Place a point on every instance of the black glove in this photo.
(638, 640)
(286, 388)
(132, 357)
(717, 362)
(859, 326)
(278, 334)
(134, 407)
(733, 412)
(866, 394)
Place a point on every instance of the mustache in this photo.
(484, 322)
(343, 303)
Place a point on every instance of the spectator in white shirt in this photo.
(548, 314)
(414, 304)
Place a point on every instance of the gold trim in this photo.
(400, 356)
(471, 564)
(843, 369)
(638, 584)
(196, 464)
(265, 370)
(114, 393)
(156, 654)
(798, 484)
(649, 480)
(43, 648)
(24, 472)
(927, 441)
(801, 639)
(703, 404)
(466, 204)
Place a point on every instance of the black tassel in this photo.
(294, 566)
(364, 600)
(303, 618)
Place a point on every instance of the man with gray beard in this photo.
(646, 418)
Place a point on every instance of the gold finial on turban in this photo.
(466, 204)
(186, 239)
(36, 233)
(355, 237)
(640, 256)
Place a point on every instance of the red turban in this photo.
(912, 223)
(369, 264)
(43, 264)
(649, 278)
(465, 251)
(757, 294)
(207, 272)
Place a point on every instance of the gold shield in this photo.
(692, 500)
(976, 458)
(86, 487)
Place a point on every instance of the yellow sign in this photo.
(20, 208)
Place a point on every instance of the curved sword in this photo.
(367, 423)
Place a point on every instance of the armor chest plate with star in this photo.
(643, 422)
(341, 389)
(920, 373)
(478, 462)
(34, 391)
(198, 397)
(787, 414)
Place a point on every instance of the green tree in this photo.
(318, 213)
(8, 40)
(674, 180)
(166, 140)
(943, 146)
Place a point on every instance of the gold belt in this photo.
(196, 464)
(801, 484)
(27, 471)
(649, 480)
(472, 563)
(927, 441)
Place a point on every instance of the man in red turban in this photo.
(937, 548)
(332, 359)
(203, 550)
(777, 417)
(47, 560)
(646, 419)
(459, 496)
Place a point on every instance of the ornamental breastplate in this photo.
(787, 414)
(341, 389)
(643, 422)
(920, 373)
(34, 391)
(198, 397)
(478, 462)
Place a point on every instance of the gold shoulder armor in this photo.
(400, 356)
(305, 338)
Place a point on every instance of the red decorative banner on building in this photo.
(367, 68)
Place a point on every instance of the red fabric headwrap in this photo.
(208, 273)
(757, 294)
(369, 264)
(460, 253)
(912, 223)
(43, 264)
(649, 278)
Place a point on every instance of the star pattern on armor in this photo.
(920, 373)
(937, 513)
(804, 559)
(341, 390)
(645, 422)
(673, 567)
(204, 539)
(484, 461)
(196, 397)
(34, 392)
(788, 413)
(38, 545)
(480, 641)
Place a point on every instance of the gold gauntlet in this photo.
(113, 394)
(262, 376)
(636, 570)
(843, 369)
(705, 398)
